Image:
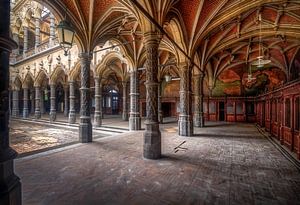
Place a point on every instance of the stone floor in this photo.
(27, 136)
(222, 164)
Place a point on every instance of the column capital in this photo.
(199, 75)
(152, 38)
(7, 44)
(86, 56)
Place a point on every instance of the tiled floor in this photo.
(222, 164)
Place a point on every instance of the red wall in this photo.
(278, 111)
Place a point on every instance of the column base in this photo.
(66, 113)
(198, 120)
(160, 117)
(37, 114)
(134, 123)
(152, 141)
(185, 126)
(10, 187)
(125, 116)
(52, 116)
(97, 120)
(15, 113)
(25, 113)
(72, 117)
(85, 130)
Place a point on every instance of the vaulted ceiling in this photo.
(217, 35)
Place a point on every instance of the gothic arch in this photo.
(28, 80)
(58, 74)
(41, 76)
(17, 83)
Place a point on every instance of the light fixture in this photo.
(249, 76)
(65, 35)
(168, 77)
(260, 62)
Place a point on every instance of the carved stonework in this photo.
(10, 186)
(85, 126)
(37, 111)
(185, 122)
(72, 114)
(25, 103)
(134, 119)
(198, 91)
(160, 115)
(15, 103)
(125, 112)
(52, 103)
(98, 103)
(66, 99)
(152, 135)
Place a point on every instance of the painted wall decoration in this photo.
(234, 82)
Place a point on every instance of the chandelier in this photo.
(260, 62)
(249, 76)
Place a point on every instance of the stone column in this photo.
(160, 115)
(198, 113)
(15, 103)
(72, 114)
(185, 121)
(17, 40)
(98, 103)
(85, 126)
(125, 111)
(52, 30)
(37, 112)
(10, 186)
(42, 102)
(52, 103)
(9, 102)
(25, 45)
(134, 119)
(32, 101)
(152, 135)
(66, 103)
(25, 103)
(37, 34)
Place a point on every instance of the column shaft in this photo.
(15, 108)
(10, 186)
(85, 126)
(135, 118)
(32, 101)
(37, 112)
(125, 111)
(198, 113)
(98, 103)
(25, 46)
(152, 135)
(52, 103)
(160, 115)
(25, 103)
(42, 101)
(66, 99)
(52, 30)
(72, 114)
(17, 40)
(37, 34)
(185, 122)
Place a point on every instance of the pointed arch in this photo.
(58, 74)
(28, 80)
(41, 76)
(17, 83)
